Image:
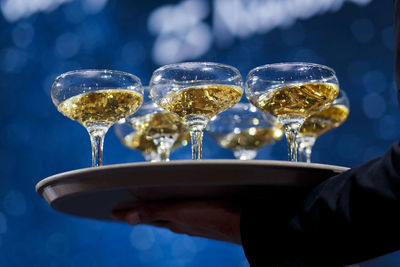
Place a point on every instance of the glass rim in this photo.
(205, 63)
(122, 73)
(293, 64)
(342, 99)
(137, 87)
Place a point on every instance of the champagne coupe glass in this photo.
(97, 99)
(292, 92)
(244, 129)
(196, 92)
(153, 131)
(133, 139)
(320, 123)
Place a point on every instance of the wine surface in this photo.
(207, 100)
(297, 100)
(101, 106)
(144, 143)
(251, 139)
(324, 120)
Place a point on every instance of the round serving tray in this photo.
(95, 192)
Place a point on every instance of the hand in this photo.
(211, 219)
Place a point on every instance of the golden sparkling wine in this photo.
(101, 106)
(250, 139)
(297, 100)
(155, 125)
(207, 100)
(144, 143)
(161, 123)
(324, 120)
(140, 141)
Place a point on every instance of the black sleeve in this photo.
(350, 218)
(396, 28)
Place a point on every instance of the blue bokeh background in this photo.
(42, 39)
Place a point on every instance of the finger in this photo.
(204, 217)
(141, 214)
(119, 215)
(149, 213)
(187, 212)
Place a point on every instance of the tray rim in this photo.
(42, 184)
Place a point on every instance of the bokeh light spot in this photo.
(163, 236)
(16, 9)
(373, 105)
(374, 81)
(142, 237)
(12, 60)
(389, 127)
(57, 244)
(23, 34)
(3, 223)
(363, 30)
(67, 45)
(94, 6)
(14, 203)
(387, 38)
(184, 248)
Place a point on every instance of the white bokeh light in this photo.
(142, 237)
(374, 105)
(14, 10)
(242, 18)
(182, 34)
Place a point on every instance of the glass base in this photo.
(245, 154)
(305, 145)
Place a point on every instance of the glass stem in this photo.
(308, 154)
(97, 134)
(152, 157)
(292, 146)
(197, 139)
(292, 127)
(164, 144)
(305, 145)
(196, 124)
(164, 153)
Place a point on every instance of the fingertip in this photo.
(133, 218)
(118, 215)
